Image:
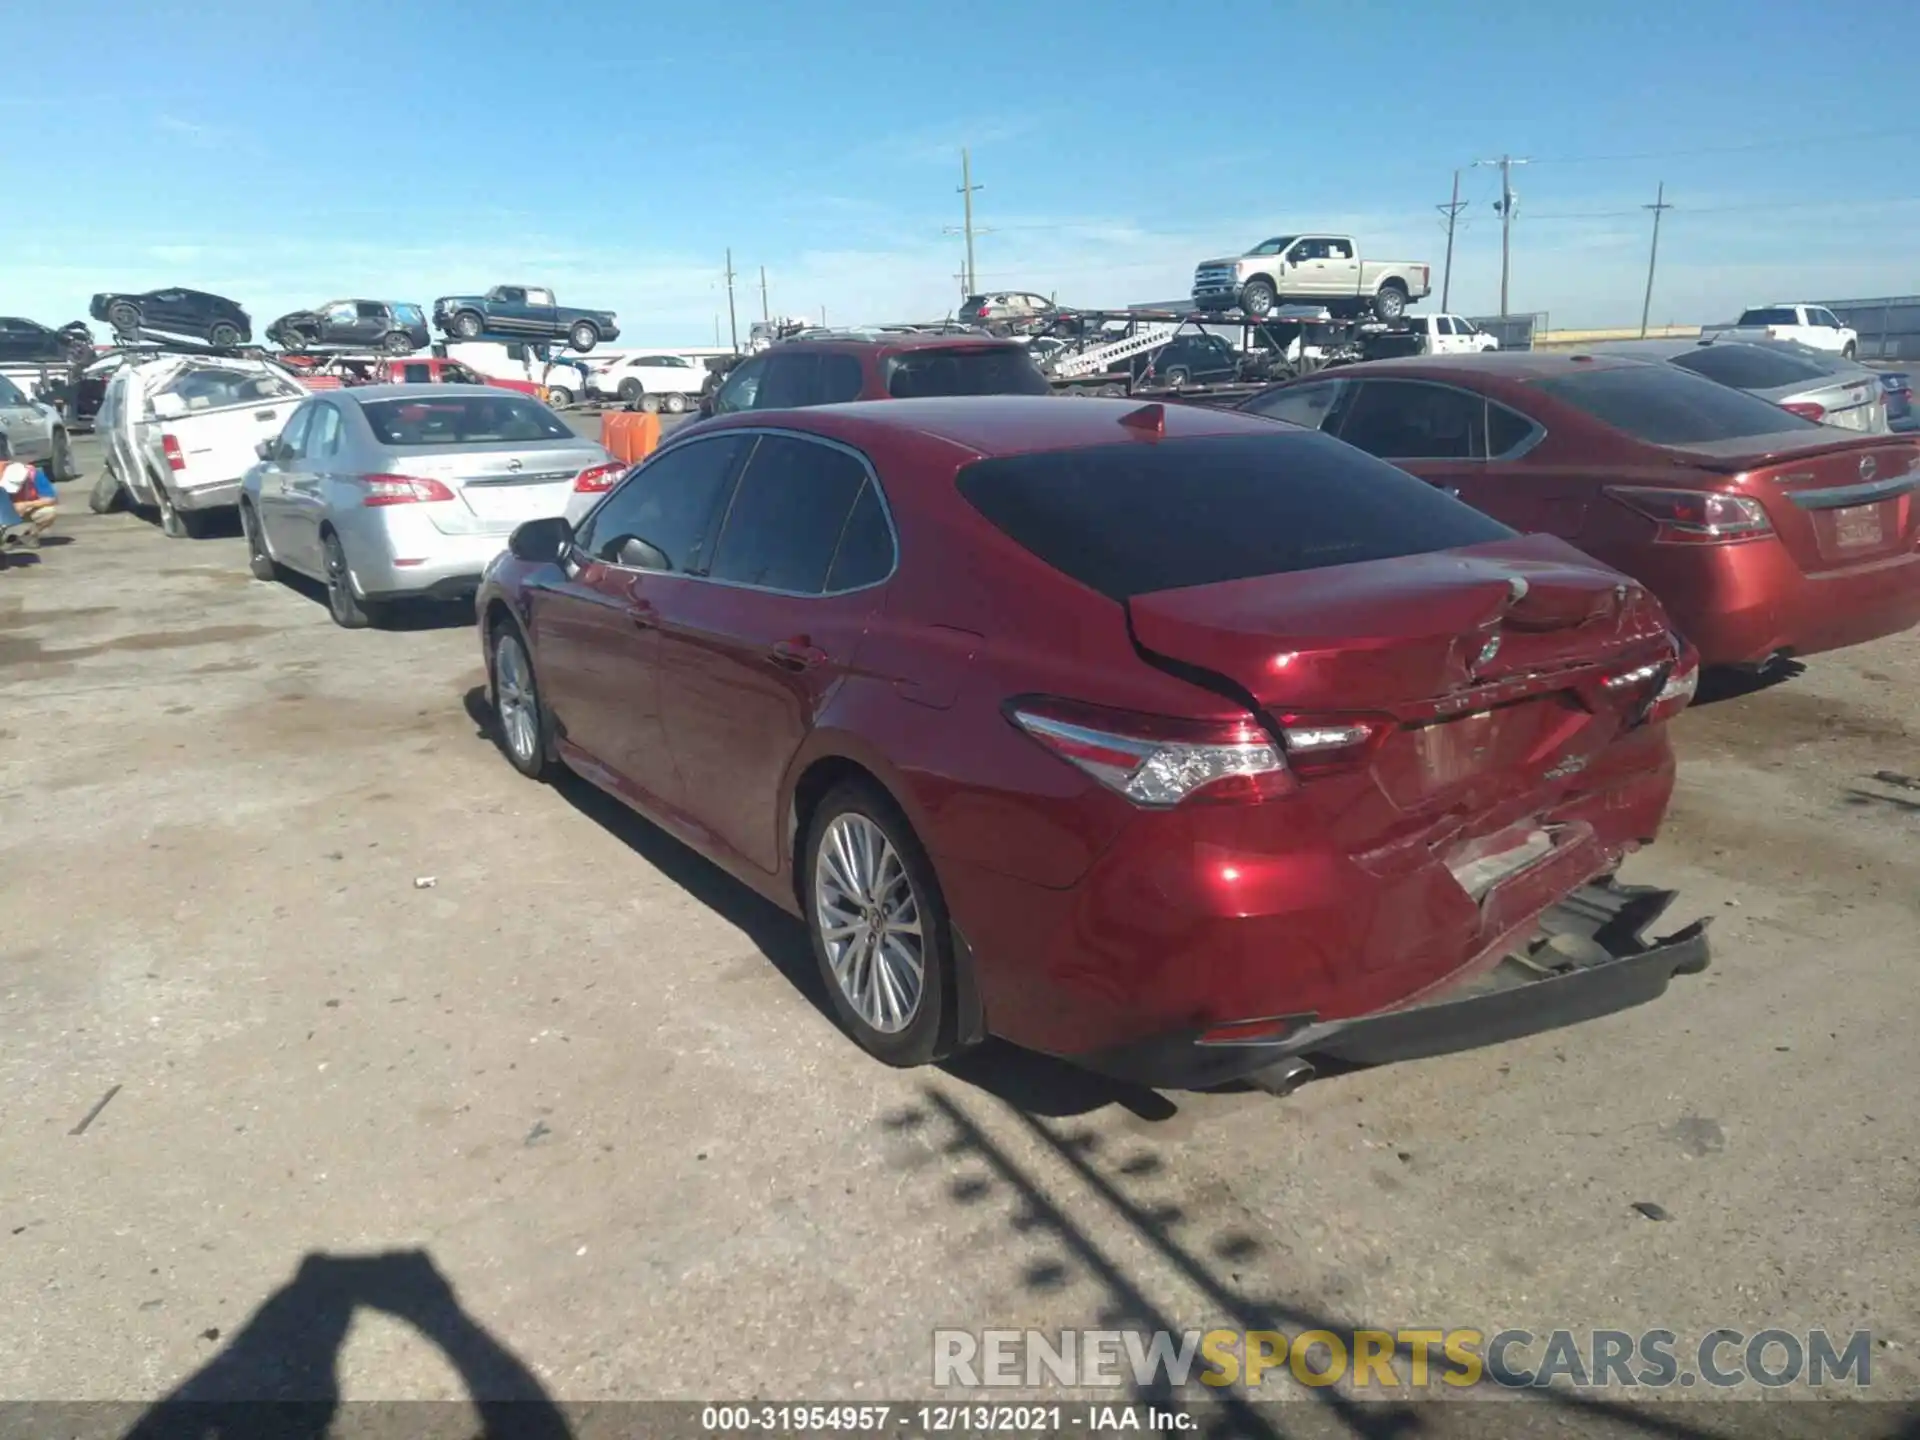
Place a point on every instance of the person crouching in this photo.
(30, 499)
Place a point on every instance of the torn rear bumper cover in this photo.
(1589, 958)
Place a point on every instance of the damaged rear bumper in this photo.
(1590, 957)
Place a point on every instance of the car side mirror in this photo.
(638, 554)
(168, 406)
(546, 541)
(264, 449)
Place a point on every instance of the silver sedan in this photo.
(1827, 388)
(390, 492)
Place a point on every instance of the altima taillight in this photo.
(596, 478)
(401, 490)
(1695, 517)
(1806, 410)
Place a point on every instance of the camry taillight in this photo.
(170, 447)
(596, 478)
(1155, 760)
(401, 490)
(1695, 517)
(1806, 410)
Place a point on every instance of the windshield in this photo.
(1131, 519)
(1771, 315)
(1748, 367)
(463, 420)
(965, 370)
(1273, 246)
(1665, 405)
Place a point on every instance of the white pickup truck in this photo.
(1451, 334)
(178, 433)
(1814, 326)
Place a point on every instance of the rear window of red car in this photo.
(964, 370)
(1134, 518)
(1665, 405)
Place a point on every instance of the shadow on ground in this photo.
(277, 1376)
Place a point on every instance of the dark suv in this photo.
(191, 313)
(398, 329)
(797, 373)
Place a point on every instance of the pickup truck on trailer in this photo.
(1813, 326)
(435, 370)
(522, 312)
(1310, 270)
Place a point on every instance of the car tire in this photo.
(224, 335)
(347, 609)
(260, 563)
(107, 495)
(124, 317)
(175, 523)
(676, 404)
(860, 851)
(398, 343)
(584, 336)
(559, 397)
(519, 714)
(1849, 353)
(650, 404)
(1257, 297)
(1390, 304)
(1176, 377)
(629, 391)
(467, 325)
(60, 464)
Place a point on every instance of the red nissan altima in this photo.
(1185, 745)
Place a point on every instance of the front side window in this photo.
(370, 310)
(10, 393)
(293, 439)
(788, 512)
(790, 383)
(668, 505)
(741, 389)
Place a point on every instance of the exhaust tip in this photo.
(1283, 1077)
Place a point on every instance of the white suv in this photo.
(649, 382)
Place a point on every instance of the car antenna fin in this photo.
(1149, 419)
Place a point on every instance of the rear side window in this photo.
(788, 512)
(1131, 519)
(790, 383)
(1748, 367)
(1771, 315)
(417, 374)
(865, 554)
(1308, 405)
(969, 370)
(1665, 405)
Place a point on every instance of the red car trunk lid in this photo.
(1480, 661)
(1833, 503)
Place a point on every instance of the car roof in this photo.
(994, 425)
(1512, 366)
(402, 391)
(900, 344)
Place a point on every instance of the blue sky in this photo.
(289, 152)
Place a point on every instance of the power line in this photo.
(1806, 143)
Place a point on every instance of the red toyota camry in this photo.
(1764, 534)
(1176, 742)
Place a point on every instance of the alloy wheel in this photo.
(869, 920)
(514, 700)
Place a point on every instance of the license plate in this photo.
(1857, 526)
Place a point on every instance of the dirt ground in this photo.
(351, 987)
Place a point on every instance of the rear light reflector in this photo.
(401, 490)
(1318, 744)
(1251, 1032)
(171, 447)
(1683, 681)
(1157, 761)
(1695, 517)
(1806, 410)
(596, 478)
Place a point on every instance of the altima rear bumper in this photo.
(1591, 959)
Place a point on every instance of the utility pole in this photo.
(716, 332)
(1451, 209)
(1505, 207)
(1659, 206)
(733, 325)
(763, 294)
(967, 187)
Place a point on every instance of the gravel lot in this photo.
(591, 1079)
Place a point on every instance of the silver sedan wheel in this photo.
(870, 922)
(515, 701)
